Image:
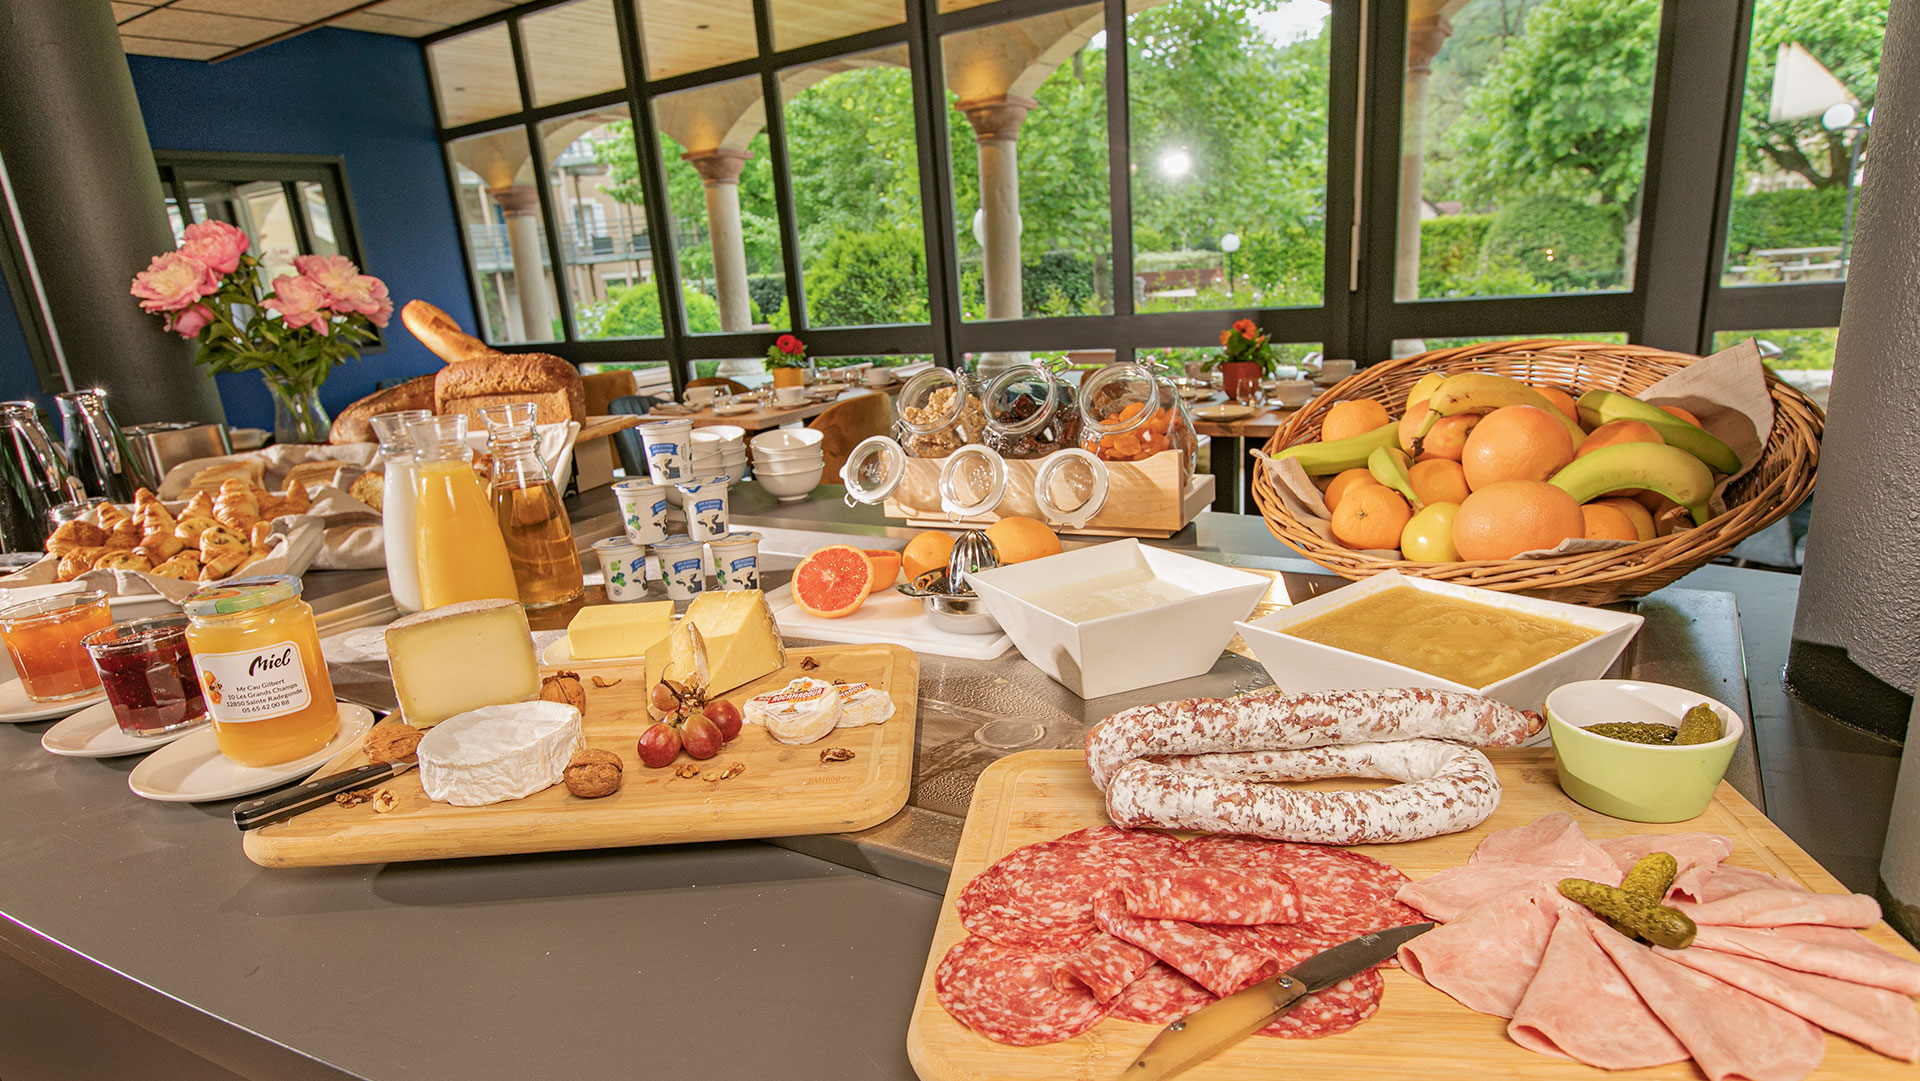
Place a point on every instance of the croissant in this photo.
(295, 499)
(200, 505)
(157, 519)
(223, 566)
(236, 515)
(180, 567)
(220, 540)
(261, 535)
(236, 489)
(75, 534)
(115, 559)
(78, 562)
(189, 528)
(160, 547)
(125, 535)
(111, 516)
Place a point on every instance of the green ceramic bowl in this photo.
(1635, 781)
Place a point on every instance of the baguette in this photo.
(442, 335)
(352, 426)
(550, 383)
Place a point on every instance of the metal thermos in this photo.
(98, 450)
(33, 477)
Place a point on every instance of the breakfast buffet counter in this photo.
(137, 940)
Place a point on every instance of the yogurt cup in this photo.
(681, 565)
(643, 507)
(736, 560)
(623, 566)
(668, 445)
(704, 501)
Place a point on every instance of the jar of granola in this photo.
(940, 412)
(1030, 413)
(1130, 413)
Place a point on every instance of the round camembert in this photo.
(499, 753)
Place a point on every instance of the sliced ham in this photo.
(1728, 1032)
(1580, 1007)
(1105, 966)
(1698, 854)
(1878, 1018)
(1727, 880)
(1554, 840)
(1777, 907)
(1214, 895)
(1216, 962)
(1486, 958)
(1447, 894)
(1826, 951)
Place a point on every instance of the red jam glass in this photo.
(148, 675)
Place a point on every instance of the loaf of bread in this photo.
(549, 382)
(441, 335)
(352, 426)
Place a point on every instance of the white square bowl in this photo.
(1175, 640)
(1299, 665)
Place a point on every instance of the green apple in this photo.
(1428, 537)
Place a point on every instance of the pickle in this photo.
(1652, 876)
(1644, 919)
(1635, 731)
(1700, 725)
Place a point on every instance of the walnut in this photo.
(836, 754)
(565, 688)
(603, 682)
(391, 741)
(732, 770)
(808, 664)
(354, 798)
(383, 801)
(686, 771)
(593, 773)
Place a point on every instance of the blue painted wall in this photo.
(17, 379)
(335, 92)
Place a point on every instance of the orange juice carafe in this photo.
(257, 653)
(533, 522)
(461, 554)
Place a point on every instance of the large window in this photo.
(288, 204)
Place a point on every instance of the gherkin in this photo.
(1635, 731)
(1652, 876)
(1648, 920)
(1699, 725)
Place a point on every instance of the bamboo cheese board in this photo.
(1419, 1032)
(784, 791)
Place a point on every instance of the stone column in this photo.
(1424, 38)
(720, 175)
(92, 212)
(1856, 633)
(996, 127)
(527, 239)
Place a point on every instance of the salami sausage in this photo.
(1008, 994)
(1041, 896)
(1272, 720)
(1445, 788)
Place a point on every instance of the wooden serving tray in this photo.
(1419, 1032)
(785, 791)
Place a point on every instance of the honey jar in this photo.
(257, 652)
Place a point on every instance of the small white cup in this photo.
(1292, 393)
(1332, 371)
(668, 452)
(789, 396)
(704, 501)
(643, 507)
(682, 562)
(623, 567)
(736, 560)
(879, 377)
(701, 397)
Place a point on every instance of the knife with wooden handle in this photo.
(302, 798)
(1207, 1031)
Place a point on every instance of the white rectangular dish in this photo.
(1300, 665)
(1092, 658)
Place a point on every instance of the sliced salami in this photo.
(1008, 994)
(1105, 966)
(1214, 895)
(1343, 894)
(1323, 1013)
(1218, 963)
(1160, 997)
(1040, 897)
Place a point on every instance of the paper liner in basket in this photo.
(1727, 391)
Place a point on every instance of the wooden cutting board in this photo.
(785, 791)
(1419, 1032)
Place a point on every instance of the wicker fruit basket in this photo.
(1783, 477)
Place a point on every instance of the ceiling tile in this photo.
(446, 12)
(198, 26)
(374, 23)
(123, 12)
(179, 50)
(302, 12)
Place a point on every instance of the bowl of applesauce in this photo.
(1393, 630)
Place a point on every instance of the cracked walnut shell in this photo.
(593, 773)
(565, 688)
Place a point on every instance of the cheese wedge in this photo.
(461, 657)
(680, 657)
(618, 630)
(743, 641)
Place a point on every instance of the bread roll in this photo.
(352, 426)
(441, 334)
(549, 382)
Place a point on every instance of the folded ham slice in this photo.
(1554, 840)
(1446, 895)
(1778, 907)
(1727, 880)
(1487, 957)
(1878, 1018)
(1580, 1007)
(1729, 1033)
(1826, 951)
(1698, 854)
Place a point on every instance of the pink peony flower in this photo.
(189, 323)
(349, 292)
(334, 273)
(174, 281)
(216, 244)
(301, 302)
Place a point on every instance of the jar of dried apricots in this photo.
(940, 412)
(1130, 413)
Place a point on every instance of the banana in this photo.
(1320, 459)
(1672, 472)
(1482, 392)
(1598, 407)
(1389, 466)
(1423, 390)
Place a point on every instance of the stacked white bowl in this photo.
(720, 450)
(788, 462)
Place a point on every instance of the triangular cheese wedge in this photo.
(743, 641)
(681, 657)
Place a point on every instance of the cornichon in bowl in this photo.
(1636, 732)
(1700, 725)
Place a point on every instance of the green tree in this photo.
(634, 312)
(869, 277)
(1844, 35)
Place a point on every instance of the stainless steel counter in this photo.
(723, 961)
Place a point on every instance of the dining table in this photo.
(768, 414)
(1233, 477)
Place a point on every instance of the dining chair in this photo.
(845, 424)
(633, 457)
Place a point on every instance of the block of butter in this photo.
(602, 631)
(460, 657)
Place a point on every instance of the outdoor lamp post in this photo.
(1229, 244)
(1844, 119)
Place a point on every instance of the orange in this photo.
(925, 552)
(1683, 414)
(1561, 400)
(1447, 438)
(1618, 431)
(1438, 480)
(1357, 416)
(1515, 442)
(1371, 516)
(1641, 518)
(833, 581)
(1506, 518)
(1019, 539)
(1345, 482)
(1608, 523)
(886, 567)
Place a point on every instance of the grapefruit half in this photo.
(886, 567)
(833, 581)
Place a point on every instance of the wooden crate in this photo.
(1149, 498)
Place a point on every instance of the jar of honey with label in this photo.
(257, 652)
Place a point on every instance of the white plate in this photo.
(17, 708)
(735, 409)
(1225, 411)
(194, 771)
(93, 733)
(559, 652)
(1194, 394)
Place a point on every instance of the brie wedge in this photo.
(499, 752)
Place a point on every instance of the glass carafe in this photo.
(539, 538)
(457, 541)
(396, 502)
